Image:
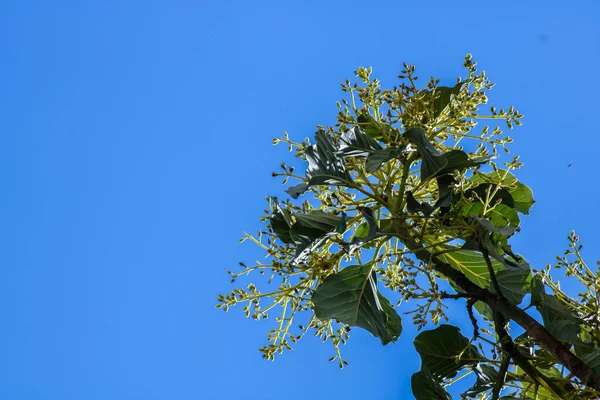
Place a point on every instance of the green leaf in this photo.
(370, 126)
(442, 96)
(435, 164)
(514, 283)
(444, 351)
(459, 160)
(432, 161)
(379, 157)
(487, 225)
(592, 359)
(521, 194)
(445, 191)
(560, 321)
(351, 297)
(324, 166)
(365, 232)
(413, 206)
(281, 223)
(486, 379)
(471, 263)
(310, 231)
(355, 143)
(426, 387)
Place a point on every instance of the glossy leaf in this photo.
(310, 231)
(351, 297)
(281, 223)
(431, 160)
(365, 232)
(440, 349)
(325, 167)
(425, 387)
(378, 158)
(486, 379)
(521, 194)
(355, 143)
(413, 205)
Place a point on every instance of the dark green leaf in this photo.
(459, 160)
(440, 349)
(413, 206)
(297, 190)
(521, 194)
(514, 284)
(355, 142)
(471, 263)
(592, 359)
(432, 161)
(324, 166)
(370, 126)
(486, 379)
(341, 228)
(444, 191)
(365, 232)
(426, 387)
(281, 223)
(442, 95)
(351, 297)
(310, 231)
(379, 157)
(487, 225)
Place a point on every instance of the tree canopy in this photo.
(408, 203)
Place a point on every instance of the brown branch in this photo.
(498, 303)
(510, 349)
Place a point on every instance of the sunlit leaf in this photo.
(351, 297)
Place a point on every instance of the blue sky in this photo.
(136, 147)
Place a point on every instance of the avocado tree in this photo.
(407, 203)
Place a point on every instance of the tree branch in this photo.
(498, 303)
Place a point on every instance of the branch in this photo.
(509, 347)
(498, 303)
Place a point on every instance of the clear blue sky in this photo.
(136, 147)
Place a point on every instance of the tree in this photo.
(392, 203)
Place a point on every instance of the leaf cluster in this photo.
(402, 197)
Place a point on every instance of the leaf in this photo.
(444, 191)
(444, 351)
(459, 160)
(471, 263)
(443, 96)
(281, 223)
(425, 387)
(365, 232)
(324, 166)
(413, 206)
(560, 321)
(592, 359)
(514, 284)
(379, 157)
(487, 225)
(486, 379)
(341, 228)
(521, 194)
(369, 125)
(432, 160)
(355, 142)
(351, 297)
(435, 164)
(310, 231)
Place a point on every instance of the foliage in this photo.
(393, 201)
